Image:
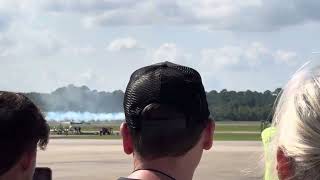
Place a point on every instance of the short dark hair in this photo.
(156, 142)
(22, 128)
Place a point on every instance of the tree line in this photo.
(223, 105)
(241, 106)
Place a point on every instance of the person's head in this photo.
(296, 143)
(22, 129)
(166, 113)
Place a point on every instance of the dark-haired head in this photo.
(168, 123)
(22, 129)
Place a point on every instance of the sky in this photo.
(234, 44)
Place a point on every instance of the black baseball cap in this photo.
(175, 87)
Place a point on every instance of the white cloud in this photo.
(285, 56)
(22, 33)
(237, 15)
(214, 9)
(47, 36)
(254, 52)
(34, 42)
(86, 6)
(220, 57)
(252, 55)
(120, 44)
(215, 13)
(170, 52)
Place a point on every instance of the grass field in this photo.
(220, 126)
(85, 137)
(217, 137)
(225, 131)
(237, 137)
(250, 128)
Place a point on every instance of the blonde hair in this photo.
(297, 124)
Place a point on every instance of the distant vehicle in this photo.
(106, 131)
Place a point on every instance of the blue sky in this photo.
(234, 44)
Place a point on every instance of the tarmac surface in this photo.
(104, 159)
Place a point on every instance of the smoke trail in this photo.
(83, 116)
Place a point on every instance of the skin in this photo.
(284, 166)
(24, 168)
(182, 167)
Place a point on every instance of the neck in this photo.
(10, 176)
(176, 167)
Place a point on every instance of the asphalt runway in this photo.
(103, 160)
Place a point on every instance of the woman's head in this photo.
(296, 144)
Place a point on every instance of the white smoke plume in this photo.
(83, 116)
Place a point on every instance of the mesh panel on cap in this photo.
(189, 73)
(182, 87)
(143, 88)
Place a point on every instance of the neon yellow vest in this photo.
(266, 136)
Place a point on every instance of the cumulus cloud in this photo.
(235, 15)
(120, 44)
(249, 15)
(251, 55)
(86, 6)
(234, 55)
(19, 36)
(254, 50)
(221, 57)
(35, 42)
(12, 11)
(170, 52)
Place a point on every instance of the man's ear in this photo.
(28, 159)
(208, 135)
(126, 138)
(284, 165)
